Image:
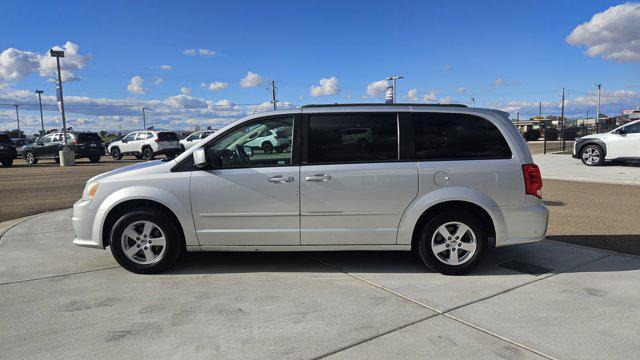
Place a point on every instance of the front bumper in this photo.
(83, 220)
(524, 224)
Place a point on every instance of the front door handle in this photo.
(318, 178)
(280, 179)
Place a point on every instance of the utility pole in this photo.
(144, 119)
(18, 119)
(273, 94)
(598, 107)
(540, 111)
(393, 78)
(473, 102)
(66, 155)
(563, 124)
(39, 92)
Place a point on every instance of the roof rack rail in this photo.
(381, 104)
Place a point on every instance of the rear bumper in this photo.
(83, 220)
(168, 152)
(524, 224)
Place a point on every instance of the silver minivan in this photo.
(444, 181)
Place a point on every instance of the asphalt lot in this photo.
(541, 300)
(28, 190)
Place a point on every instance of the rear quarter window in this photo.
(168, 136)
(87, 137)
(447, 136)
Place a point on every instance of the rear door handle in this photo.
(318, 178)
(280, 179)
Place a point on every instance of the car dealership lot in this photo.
(530, 301)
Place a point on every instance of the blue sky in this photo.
(508, 55)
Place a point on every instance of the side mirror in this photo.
(621, 132)
(39, 143)
(248, 150)
(200, 159)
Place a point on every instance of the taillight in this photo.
(74, 142)
(532, 180)
(157, 140)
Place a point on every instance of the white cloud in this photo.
(498, 82)
(135, 85)
(216, 86)
(268, 106)
(377, 88)
(251, 80)
(431, 96)
(412, 95)
(166, 67)
(328, 86)
(16, 65)
(158, 81)
(613, 34)
(201, 52)
(185, 90)
(460, 90)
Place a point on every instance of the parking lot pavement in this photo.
(33, 189)
(564, 167)
(539, 300)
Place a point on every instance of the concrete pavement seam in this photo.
(59, 275)
(437, 312)
(611, 252)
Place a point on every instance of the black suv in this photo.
(84, 144)
(7, 150)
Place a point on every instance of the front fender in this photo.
(166, 198)
(423, 203)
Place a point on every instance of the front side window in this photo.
(633, 128)
(129, 137)
(447, 136)
(192, 137)
(47, 139)
(348, 138)
(232, 150)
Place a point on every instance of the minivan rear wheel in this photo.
(145, 242)
(452, 243)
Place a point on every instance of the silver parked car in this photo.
(447, 182)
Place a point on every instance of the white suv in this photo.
(146, 145)
(194, 138)
(447, 182)
(622, 143)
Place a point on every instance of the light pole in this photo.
(598, 107)
(39, 92)
(393, 79)
(144, 119)
(18, 120)
(473, 102)
(67, 157)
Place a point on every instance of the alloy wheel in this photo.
(591, 155)
(143, 242)
(453, 243)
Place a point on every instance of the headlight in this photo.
(90, 190)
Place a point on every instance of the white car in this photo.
(448, 182)
(620, 144)
(146, 145)
(269, 140)
(194, 138)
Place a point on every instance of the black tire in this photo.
(267, 147)
(7, 162)
(147, 153)
(429, 230)
(30, 157)
(116, 154)
(592, 155)
(94, 159)
(56, 160)
(174, 246)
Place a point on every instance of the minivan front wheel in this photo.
(452, 243)
(145, 242)
(592, 155)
